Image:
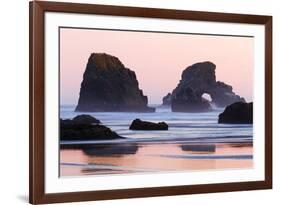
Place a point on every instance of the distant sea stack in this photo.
(108, 86)
(167, 99)
(196, 80)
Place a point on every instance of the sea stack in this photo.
(197, 80)
(108, 86)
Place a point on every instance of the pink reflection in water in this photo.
(153, 158)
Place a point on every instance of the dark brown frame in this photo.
(37, 194)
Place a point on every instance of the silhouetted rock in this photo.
(237, 113)
(73, 130)
(85, 119)
(138, 124)
(108, 86)
(196, 80)
(167, 99)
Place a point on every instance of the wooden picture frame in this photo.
(37, 194)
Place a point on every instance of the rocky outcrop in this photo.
(85, 119)
(138, 124)
(167, 99)
(77, 130)
(197, 80)
(237, 113)
(108, 86)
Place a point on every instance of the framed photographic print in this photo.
(139, 102)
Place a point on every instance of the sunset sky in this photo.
(157, 58)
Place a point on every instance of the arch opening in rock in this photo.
(207, 96)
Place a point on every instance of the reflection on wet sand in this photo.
(111, 149)
(153, 157)
(199, 148)
(247, 144)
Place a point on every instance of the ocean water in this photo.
(194, 141)
(182, 126)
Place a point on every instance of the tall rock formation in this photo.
(108, 86)
(197, 80)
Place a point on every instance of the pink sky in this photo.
(157, 58)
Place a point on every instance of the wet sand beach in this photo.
(154, 157)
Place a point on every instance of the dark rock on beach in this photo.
(138, 124)
(167, 99)
(73, 130)
(108, 86)
(85, 119)
(237, 113)
(197, 80)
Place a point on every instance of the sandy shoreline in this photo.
(155, 157)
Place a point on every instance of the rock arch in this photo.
(196, 80)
